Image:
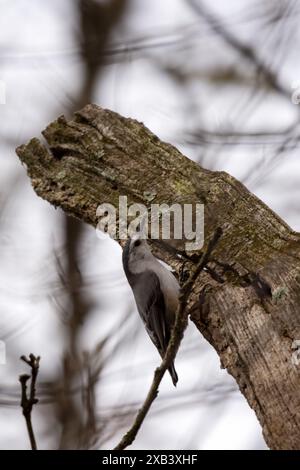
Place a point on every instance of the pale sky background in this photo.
(42, 71)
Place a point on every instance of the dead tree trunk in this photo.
(247, 302)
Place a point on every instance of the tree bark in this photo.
(247, 302)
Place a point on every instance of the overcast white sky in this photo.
(42, 72)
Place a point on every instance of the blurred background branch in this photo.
(212, 79)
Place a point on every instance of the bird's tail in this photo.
(173, 374)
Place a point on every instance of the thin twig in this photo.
(27, 403)
(174, 343)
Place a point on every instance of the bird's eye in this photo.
(137, 243)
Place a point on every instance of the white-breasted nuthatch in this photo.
(156, 292)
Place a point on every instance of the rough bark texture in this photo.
(247, 302)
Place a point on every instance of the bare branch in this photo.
(99, 155)
(27, 403)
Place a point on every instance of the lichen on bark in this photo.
(99, 155)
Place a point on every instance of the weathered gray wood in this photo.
(247, 304)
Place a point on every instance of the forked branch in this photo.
(28, 401)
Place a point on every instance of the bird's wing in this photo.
(151, 305)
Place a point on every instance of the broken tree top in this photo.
(247, 302)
